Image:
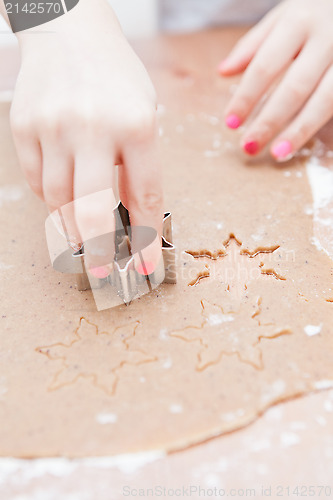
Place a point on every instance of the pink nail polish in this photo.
(99, 272)
(251, 147)
(233, 121)
(282, 150)
(146, 268)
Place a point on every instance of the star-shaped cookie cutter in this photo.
(124, 278)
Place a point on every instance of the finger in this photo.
(57, 174)
(291, 94)
(247, 46)
(94, 204)
(29, 154)
(141, 178)
(271, 59)
(316, 113)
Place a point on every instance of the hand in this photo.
(83, 103)
(296, 38)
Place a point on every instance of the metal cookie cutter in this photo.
(124, 282)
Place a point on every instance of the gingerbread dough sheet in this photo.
(249, 323)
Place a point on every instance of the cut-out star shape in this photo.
(97, 356)
(234, 266)
(221, 334)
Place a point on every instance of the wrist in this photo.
(86, 16)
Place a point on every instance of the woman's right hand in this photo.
(84, 102)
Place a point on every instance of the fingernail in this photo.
(251, 147)
(282, 150)
(146, 268)
(99, 272)
(233, 121)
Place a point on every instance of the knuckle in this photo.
(150, 201)
(21, 125)
(244, 102)
(141, 124)
(54, 193)
(37, 189)
(30, 172)
(297, 91)
(302, 132)
(267, 126)
(88, 120)
(48, 122)
(51, 118)
(84, 115)
(262, 70)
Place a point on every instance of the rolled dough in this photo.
(189, 361)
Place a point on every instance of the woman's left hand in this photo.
(296, 38)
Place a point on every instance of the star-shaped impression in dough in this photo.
(234, 266)
(94, 355)
(233, 334)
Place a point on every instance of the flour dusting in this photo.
(106, 418)
(25, 470)
(10, 193)
(321, 182)
(311, 330)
